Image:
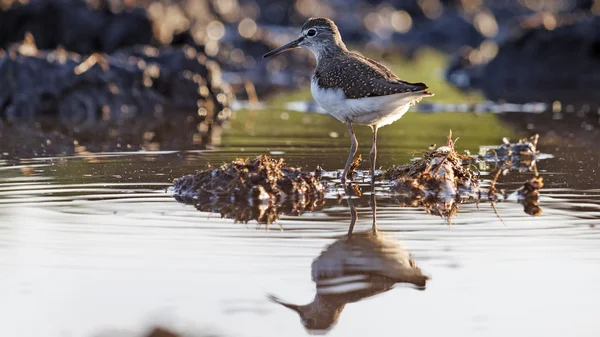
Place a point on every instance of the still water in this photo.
(94, 244)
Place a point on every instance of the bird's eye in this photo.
(310, 322)
(311, 32)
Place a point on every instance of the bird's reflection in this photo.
(355, 267)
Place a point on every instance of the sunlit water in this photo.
(96, 243)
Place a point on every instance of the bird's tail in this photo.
(427, 93)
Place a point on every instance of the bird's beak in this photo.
(287, 305)
(291, 45)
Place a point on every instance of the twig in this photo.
(496, 212)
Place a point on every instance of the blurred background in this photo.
(89, 63)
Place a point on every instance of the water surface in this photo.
(95, 242)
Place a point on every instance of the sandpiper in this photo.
(352, 88)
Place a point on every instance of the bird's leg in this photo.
(373, 157)
(374, 210)
(353, 148)
(353, 212)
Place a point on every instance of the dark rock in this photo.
(237, 33)
(74, 25)
(448, 33)
(561, 64)
(125, 85)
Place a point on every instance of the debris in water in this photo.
(521, 155)
(443, 179)
(529, 194)
(436, 182)
(258, 189)
(352, 171)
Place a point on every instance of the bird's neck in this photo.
(327, 50)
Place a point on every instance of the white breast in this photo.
(331, 100)
(376, 111)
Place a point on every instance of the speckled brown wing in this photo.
(361, 77)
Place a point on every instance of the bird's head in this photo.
(317, 317)
(319, 35)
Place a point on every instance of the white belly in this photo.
(375, 111)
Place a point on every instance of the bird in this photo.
(353, 88)
(353, 268)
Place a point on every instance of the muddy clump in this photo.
(443, 179)
(258, 189)
(529, 195)
(437, 182)
(520, 156)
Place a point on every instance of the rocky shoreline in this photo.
(485, 38)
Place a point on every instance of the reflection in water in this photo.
(350, 191)
(263, 212)
(355, 267)
(529, 195)
(49, 137)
